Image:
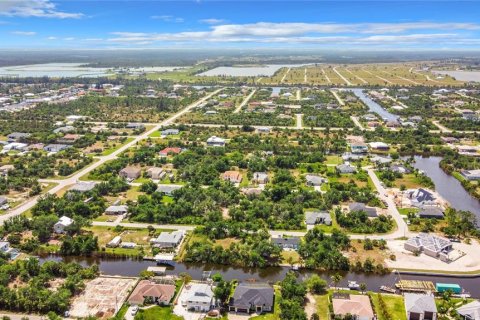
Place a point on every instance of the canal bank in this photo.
(128, 267)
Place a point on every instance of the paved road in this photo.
(343, 78)
(357, 123)
(299, 121)
(245, 101)
(73, 179)
(335, 94)
(143, 225)
(285, 75)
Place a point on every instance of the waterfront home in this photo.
(170, 132)
(379, 160)
(18, 136)
(470, 311)
(55, 147)
(358, 306)
(252, 297)
(346, 168)
(431, 212)
(348, 156)
(62, 224)
(115, 242)
(357, 206)
(168, 189)
(232, 176)
(284, 242)
(117, 210)
(260, 177)
(420, 306)
(358, 147)
(168, 239)
(200, 297)
(169, 150)
(130, 173)
(381, 146)
(471, 174)
(397, 168)
(421, 197)
(215, 141)
(82, 187)
(431, 245)
(317, 217)
(161, 294)
(313, 180)
(155, 173)
(135, 126)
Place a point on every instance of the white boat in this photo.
(353, 285)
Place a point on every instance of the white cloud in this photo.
(69, 39)
(52, 38)
(24, 33)
(212, 21)
(168, 18)
(34, 8)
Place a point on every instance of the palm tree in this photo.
(336, 278)
(363, 287)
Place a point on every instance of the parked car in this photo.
(134, 310)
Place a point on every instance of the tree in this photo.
(316, 285)
(336, 278)
(363, 287)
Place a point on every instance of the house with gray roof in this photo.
(54, 147)
(170, 132)
(260, 177)
(431, 245)
(18, 136)
(64, 129)
(252, 297)
(357, 206)
(471, 174)
(470, 311)
(168, 189)
(431, 212)
(83, 186)
(117, 210)
(130, 173)
(420, 306)
(285, 242)
(346, 168)
(314, 180)
(317, 217)
(421, 197)
(168, 239)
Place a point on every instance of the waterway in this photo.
(447, 186)
(373, 106)
(270, 274)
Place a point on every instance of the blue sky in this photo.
(355, 25)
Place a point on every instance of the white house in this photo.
(200, 297)
(62, 223)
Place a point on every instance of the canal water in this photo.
(128, 267)
(447, 186)
(373, 106)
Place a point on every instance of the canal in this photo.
(129, 267)
(373, 106)
(447, 186)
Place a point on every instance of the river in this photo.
(373, 106)
(128, 267)
(447, 186)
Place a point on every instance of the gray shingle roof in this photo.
(419, 303)
(256, 294)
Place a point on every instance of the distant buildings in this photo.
(421, 197)
(170, 132)
(313, 180)
(117, 210)
(215, 141)
(471, 174)
(18, 136)
(169, 150)
(55, 147)
(260, 177)
(168, 189)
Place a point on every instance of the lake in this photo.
(447, 186)
(254, 71)
(53, 70)
(461, 75)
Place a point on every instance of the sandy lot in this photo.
(101, 298)
(407, 260)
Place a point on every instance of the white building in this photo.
(62, 224)
(199, 298)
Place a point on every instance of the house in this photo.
(135, 126)
(357, 206)
(169, 150)
(168, 189)
(115, 242)
(317, 217)
(346, 168)
(471, 174)
(214, 141)
(62, 224)
(69, 138)
(64, 129)
(358, 147)
(168, 239)
(232, 176)
(431, 212)
(358, 306)
(397, 168)
(117, 210)
(130, 173)
(420, 306)
(3, 201)
(19, 146)
(260, 177)
(54, 147)
(286, 242)
(74, 118)
(18, 136)
(313, 180)
(449, 139)
(158, 293)
(381, 146)
(421, 197)
(156, 173)
(170, 132)
(470, 311)
(348, 156)
(83, 186)
(379, 160)
(252, 297)
(263, 130)
(431, 245)
(4, 246)
(199, 298)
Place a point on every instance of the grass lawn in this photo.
(409, 181)
(105, 217)
(118, 146)
(286, 255)
(155, 313)
(322, 306)
(336, 160)
(133, 193)
(121, 313)
(275, 315)
(394, 305)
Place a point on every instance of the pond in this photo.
(462, 75)
(447, 186)
(54, 70)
